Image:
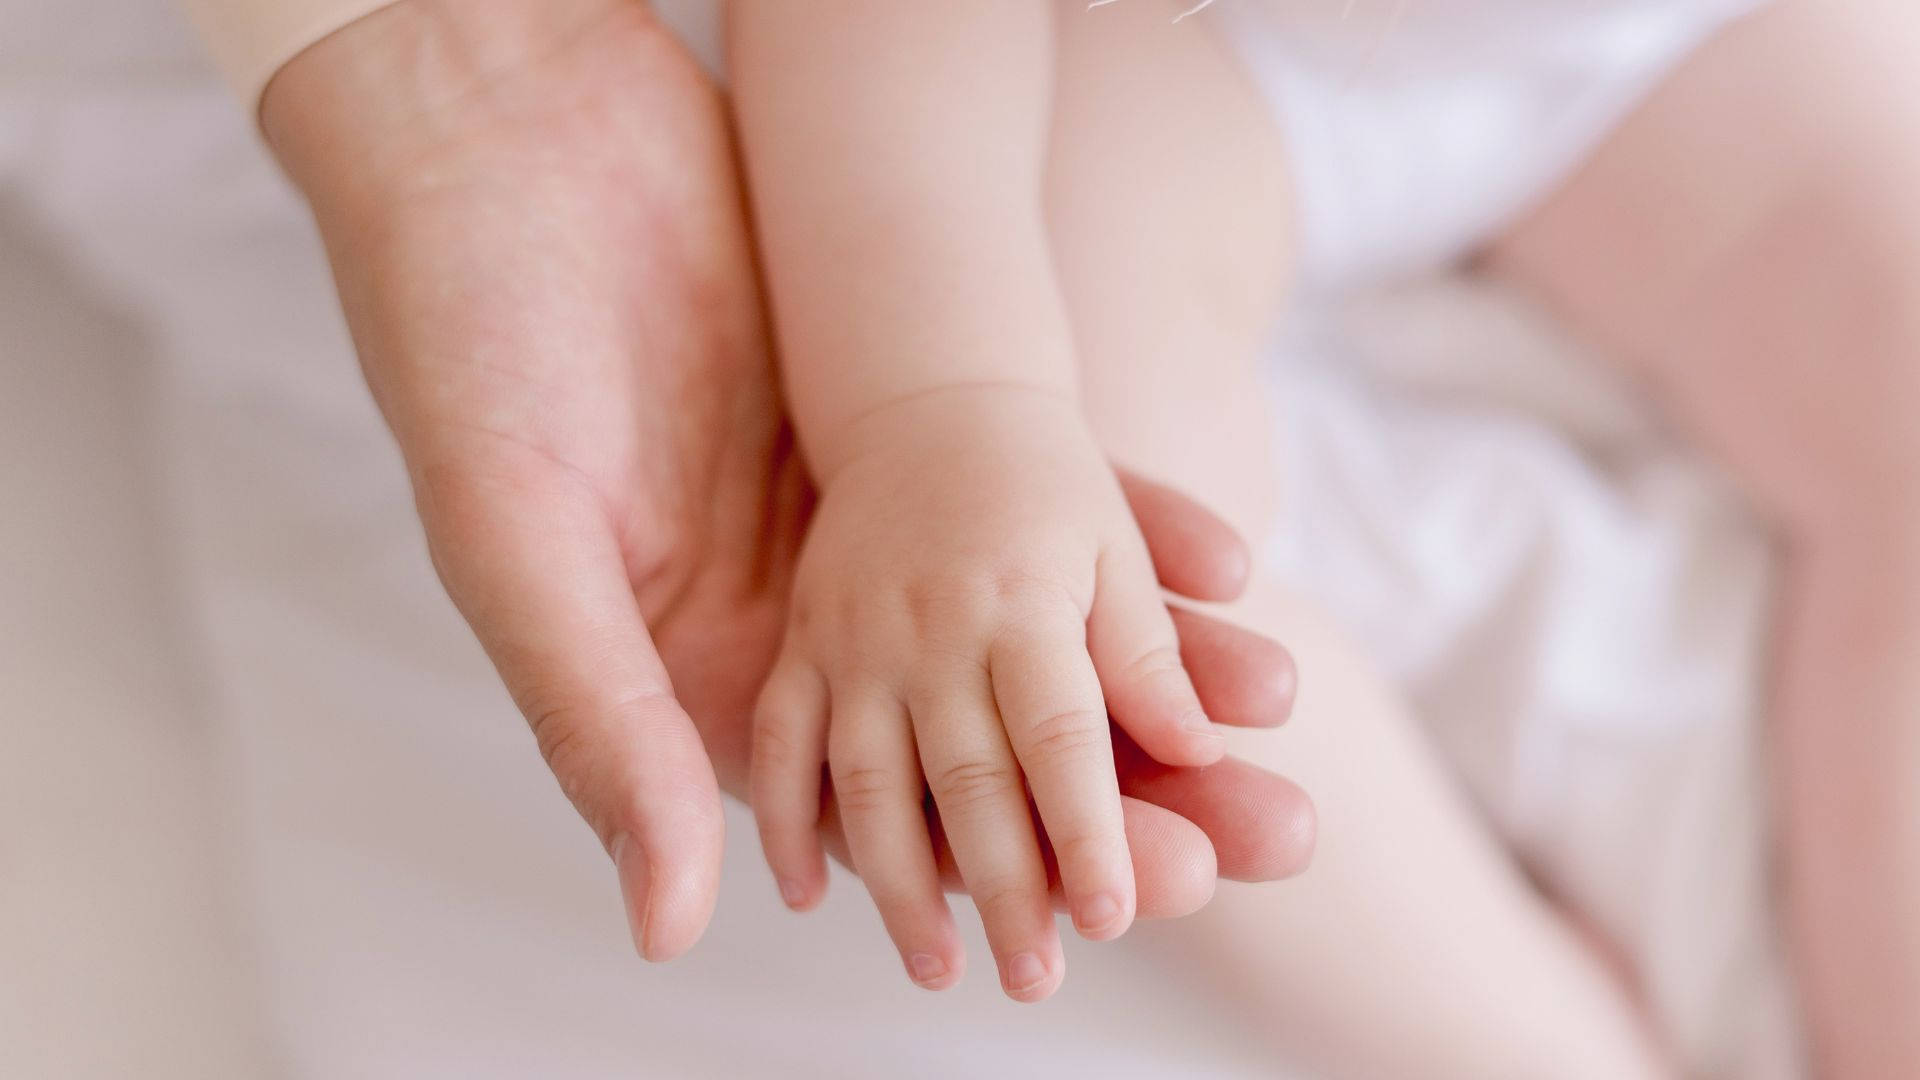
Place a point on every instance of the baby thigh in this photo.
(1167, 201)
(1413, 946)
(1749, 244)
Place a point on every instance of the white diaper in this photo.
(1417, 128)
(1576, 607)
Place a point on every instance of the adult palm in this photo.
(537, 232)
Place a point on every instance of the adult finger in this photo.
(1242, 678)
(1262, 826)
(532, 561)
(1195, 553)
(1136, 650)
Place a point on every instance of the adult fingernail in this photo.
(1025, 972)
(1097, 914)
(926, 969)
(630, 863)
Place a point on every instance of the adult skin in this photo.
(536, 228)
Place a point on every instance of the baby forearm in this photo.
(900, 217)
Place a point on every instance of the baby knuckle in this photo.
(1066, 736)
(773, 743)
(860, 657)
(976, 602)
(968, 784)
(1155, 663)
(958, 605)
(928, 605)
(1082, 846)
(898, 897)
(1005, 896)
(865, 788)
(1025, 587)
(942, 657)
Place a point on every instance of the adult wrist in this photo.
(360, 110)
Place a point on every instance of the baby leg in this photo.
(1412, 947)
(1750, 244)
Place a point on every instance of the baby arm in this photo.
(974, 598)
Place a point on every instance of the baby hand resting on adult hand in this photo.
(974, 597)
(972, 582)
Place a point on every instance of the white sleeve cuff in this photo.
(252, 39)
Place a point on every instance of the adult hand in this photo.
(537, 231)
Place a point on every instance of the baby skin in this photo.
(1008, 243)
(1005, 245)
(973, 600)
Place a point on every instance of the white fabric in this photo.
(1416, 127)
(266, 812)
(252, 39)
(1577, 607)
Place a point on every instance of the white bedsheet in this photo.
(264, 812)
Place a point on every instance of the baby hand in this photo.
(972, 602)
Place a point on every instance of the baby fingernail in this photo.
(1097, 913)
(1196, 720)
(926, 969)
(1025, 972)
